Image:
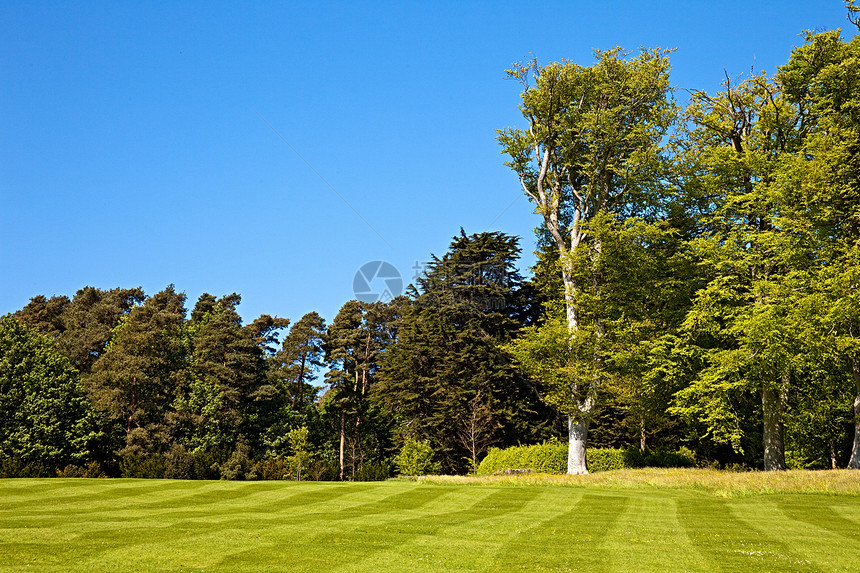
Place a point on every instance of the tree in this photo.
(45, 417)
(592, 150)
(45, 315)
(354, 344)
(756, 251)
(445, 379)
(230, 393)
(820, 82)
(142, 371)
(89, 322)
(300, 355)
(301, 456)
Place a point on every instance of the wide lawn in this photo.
(163, 525)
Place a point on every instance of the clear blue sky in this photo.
(136, 147)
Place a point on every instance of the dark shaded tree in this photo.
(142, 371)
(445, 379)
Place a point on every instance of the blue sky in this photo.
(272, 150)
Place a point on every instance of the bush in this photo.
(548, 458)
(179, 463)
(416, 459)
(551, 458)
(93, 470)
(12, 467)
(273, 469)
(324, 470)
(661, 458)
(373, 471)
(206, 463)
(150, 466)
(71, 471)
(240, 466)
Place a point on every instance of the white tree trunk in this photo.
(577, 432)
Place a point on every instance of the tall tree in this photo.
(300, 356)
(756, 253)
(445, 379)
(45, 315)
(229, 394)
(45, 417)
(142, 371)
(592, 149)
(820, 81)
(89, 320)
(355, 342)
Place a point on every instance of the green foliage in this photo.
(135, 383)
(273, 469)
(444, 378)
(551, 458)
(240, 466)
(416, 459)
(93, 470)
(356, 341)
(179, 463)
(12, 467)
(149, 466)
(373, 471)
(301, 457)
(45, 419)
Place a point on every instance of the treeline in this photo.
(705, 260)
(120, 383)
(696, 287)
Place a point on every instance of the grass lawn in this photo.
(632, 522)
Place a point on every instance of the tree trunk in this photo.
(854, 462)
(577, 433)
(774, 448)
(301, 388)
(342, 439)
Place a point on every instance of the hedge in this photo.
(551, 458)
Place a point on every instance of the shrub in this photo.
(150, 466)
(240, 466)
(551, 458)
(13, 467)
(662, 458)
(179, 463)
(93, 470)
(416, 459)
(324, 470)
(373, 471)
(207, 462)
(273, 469)
(608, 459)
(71, 471)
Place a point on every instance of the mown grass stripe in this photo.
(399, 526)
(735, 544)
(648, 536)
(573, 536)
(826, 515)
(816, 533)
(466, 539)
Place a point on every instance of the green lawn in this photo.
(162, 525)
